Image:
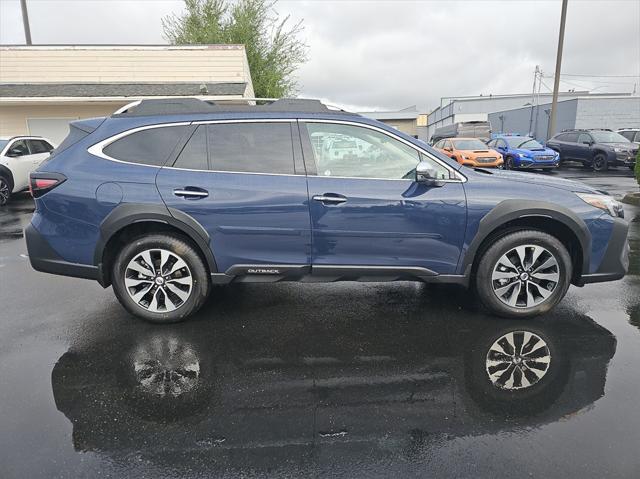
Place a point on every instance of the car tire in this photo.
(5, 191)
(523, 274)
(170, 289)
(508, 163)
(599, 162)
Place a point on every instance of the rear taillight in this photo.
(41, 183)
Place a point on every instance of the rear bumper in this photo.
(45, 259)
(615, 262)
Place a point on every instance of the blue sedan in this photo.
(523, 152)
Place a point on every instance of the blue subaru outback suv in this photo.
(167, 197)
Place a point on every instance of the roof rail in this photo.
(180, 106)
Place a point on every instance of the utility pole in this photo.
(556, 80)
(25, 21)
(533, 97)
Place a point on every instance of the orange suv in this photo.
(470, 152)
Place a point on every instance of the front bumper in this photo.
(615, 262)
(45, 259)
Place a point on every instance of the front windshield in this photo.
(608, 137)
(3, 143)
(523, 142)
(469, 145)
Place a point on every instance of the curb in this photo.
(632, 199)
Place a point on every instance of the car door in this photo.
(20, 163)
(39, 151)
(582, 149)
(244, 182)
(367, 210)
(501, 146)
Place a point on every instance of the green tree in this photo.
(273, 48)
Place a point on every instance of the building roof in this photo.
(105, 90)
(409, 113)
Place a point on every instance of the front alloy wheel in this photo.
(525, 276)
(517, 360)
(600, 162)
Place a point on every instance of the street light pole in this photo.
(556, 81)
(25, 21)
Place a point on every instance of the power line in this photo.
(597, 76)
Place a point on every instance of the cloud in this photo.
(392, 54)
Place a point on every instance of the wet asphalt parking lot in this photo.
(312, 380)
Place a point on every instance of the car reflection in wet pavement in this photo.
(235, 392)
(314, 380)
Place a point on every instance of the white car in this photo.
(19, 156)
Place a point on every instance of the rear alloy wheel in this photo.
(523, 274)
(5, 191)
(600, 162)
(160, 278)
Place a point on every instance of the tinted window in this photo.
(608, 137)
(628, 134)
(251, 147)
(358, 152)
(150, 147)
(194, 154)
(584, 138)
(39, 146)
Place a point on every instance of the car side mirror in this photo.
(446, 148)
(13, 152)
(426, 175)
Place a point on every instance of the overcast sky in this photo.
(393, 54)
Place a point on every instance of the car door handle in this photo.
(191, 193)
(332, 200)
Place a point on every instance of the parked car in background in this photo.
(19, 156)
(165, 198)
(631, 134)
(523, 152)
(597, 149)
(463, 129)
(470, 152)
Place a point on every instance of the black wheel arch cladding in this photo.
(130, 213)
(510, 210)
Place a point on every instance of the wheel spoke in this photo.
(537, 251)
(183, 295)
(521, 251)
(140, 294)
(545, 293)
(503, 275)
(546, 276)
(164, 257)
(140, 269)
(134, 282)
(146, 256)
(184, 281)
(546, 265)
(513, 298)
(178, 265)
(501, 291)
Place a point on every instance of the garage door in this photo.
(56, 129)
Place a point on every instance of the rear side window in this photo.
(194, 155)
(39, 146)
(251, 147)
(149, 147)
(570, 137)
